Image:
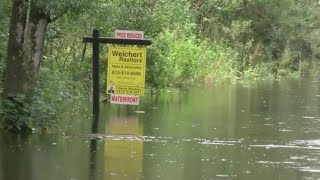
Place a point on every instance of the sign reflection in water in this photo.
(123, 154)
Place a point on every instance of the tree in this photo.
(249, 26)
(28, 26)
(25, 47)
(4, 21)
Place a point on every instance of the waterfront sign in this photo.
(124, 99)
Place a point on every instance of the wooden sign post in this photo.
(96, 40)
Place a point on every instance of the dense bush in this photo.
(180, 61)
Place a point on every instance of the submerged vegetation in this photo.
(194, 42)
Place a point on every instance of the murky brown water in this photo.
(263, 130)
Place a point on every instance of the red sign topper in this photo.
(124, 34)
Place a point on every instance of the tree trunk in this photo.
(13, 83)
(28, 26)
(25, 47)
(33, 46)
(199, 16)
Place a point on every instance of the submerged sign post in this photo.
(126, 70)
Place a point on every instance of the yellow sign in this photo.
(126, 70)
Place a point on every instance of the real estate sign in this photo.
(126, 70)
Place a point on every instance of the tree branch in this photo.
(54, 18)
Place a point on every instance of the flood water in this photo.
(266, 130)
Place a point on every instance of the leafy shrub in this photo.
(63, 93)
(16, 114)
(175, 61)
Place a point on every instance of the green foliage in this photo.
(16, 114)
(20, 117)
(180, 61)
(64, 86)
(44, 115)
(5, 6)
(226, 65)
(270, 24)
(265, 70)
(153, 17)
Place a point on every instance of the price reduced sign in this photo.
(126, 70)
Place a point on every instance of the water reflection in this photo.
(124, 157)
(18, 166)
(93, 159)
(39, 157)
